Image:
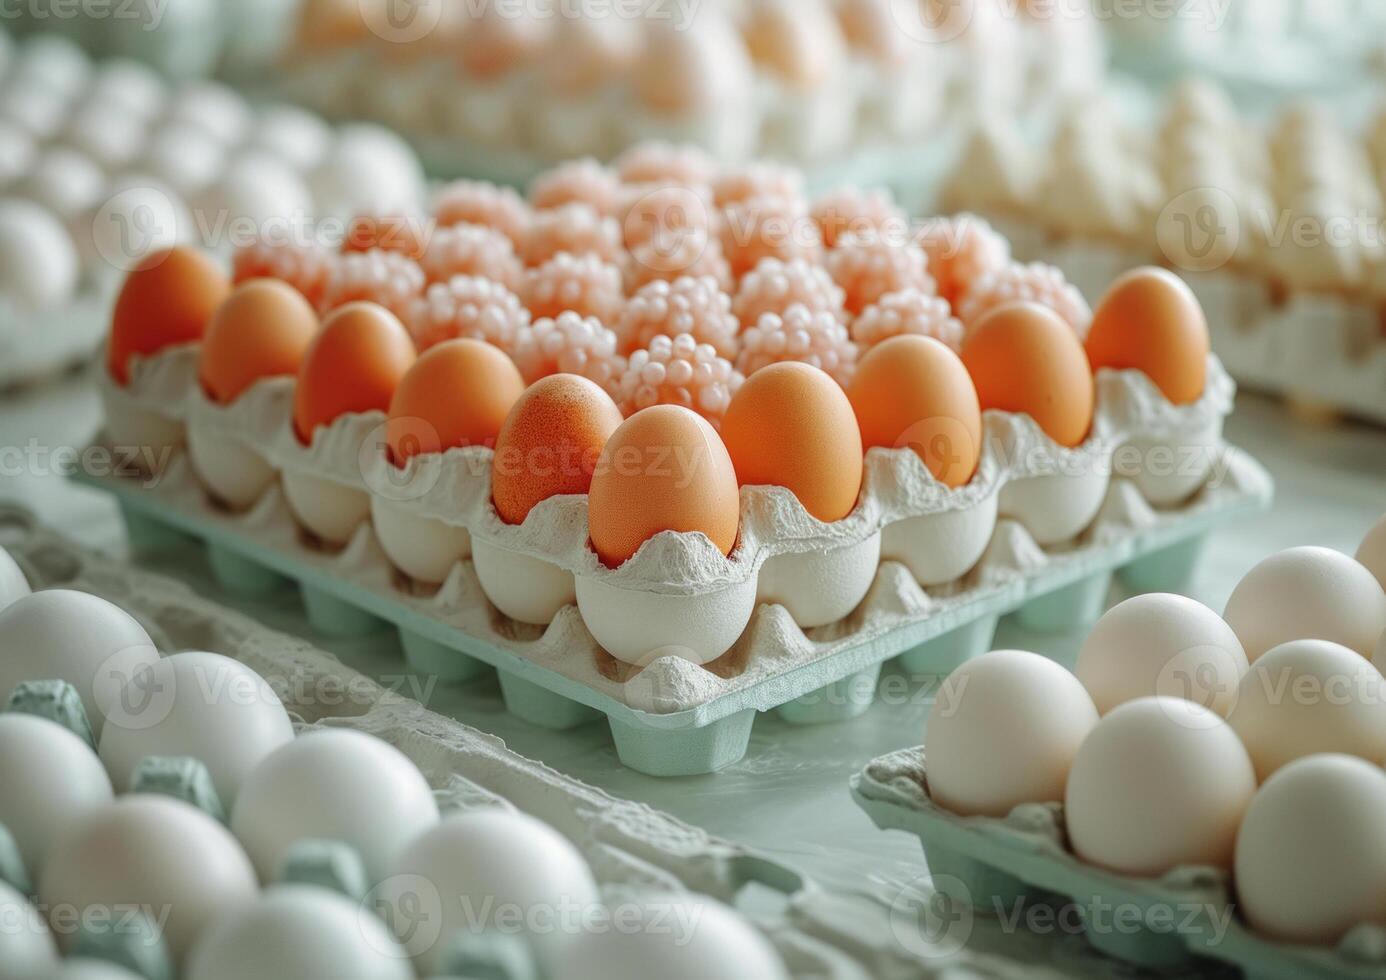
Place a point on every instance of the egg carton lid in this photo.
(630, 846)
(1030, 844)
(454, 486)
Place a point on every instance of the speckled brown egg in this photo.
(550, 443)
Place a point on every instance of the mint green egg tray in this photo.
(1070, 590)
(1172, 924)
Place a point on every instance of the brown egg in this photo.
(458, 393)
(664, 469)
(913, 391)
(1150, 320)
(550, 443)
(261, 331)
(790, 425)
(353, 365)
(166, 299)
(1023, 358)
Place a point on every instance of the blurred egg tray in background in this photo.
(788, 594)
(225, 779)
(1275, 220)
(1168, 787)
(861, 90)
(1262, 52)
(102, 161)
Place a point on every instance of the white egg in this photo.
(60, 634)
(52, 779)
(215, 108)
(368, 170)
(38, 260)
(295, 135)
(149, 852)
(1160, 782)
(1004, 731)
(1310, 696)
(258, 193)
(32, 107)
(108, 133)
(185, 157)
(54, 61)
(1311, 855)
(473, 870)
(131, 84)
(13, 584)
(17, 152)
(87, 969)
(299, 932)
(27, 949)
(134, 216)
(672, 937)
(64, 181)
(1307, 594)
(201, 705)
(1161, 644)
(333, 784)
(1372, 552)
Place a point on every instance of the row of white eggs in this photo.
(1172, 718)
(102, 163)
(436, 880)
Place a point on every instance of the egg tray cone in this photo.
(631, 848)
(1322, 347)
(999, 866)
(674, 717)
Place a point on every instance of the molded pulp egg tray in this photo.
(674, 717)
(632, 849)
(999, 865)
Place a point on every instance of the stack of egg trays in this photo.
(1069, 591)
(999, 864)
(631, 848)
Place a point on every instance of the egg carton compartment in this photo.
(38, 346)
(1323, 347)
(1172, 922)
(631, 848)
(673, 716)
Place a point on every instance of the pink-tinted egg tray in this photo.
(930, 631)
(1001, 866)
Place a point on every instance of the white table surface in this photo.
(788, 797)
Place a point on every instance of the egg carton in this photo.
(675, 717)
(1327, 348)
(36, 346)
(1169, 923)
(630, 847)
